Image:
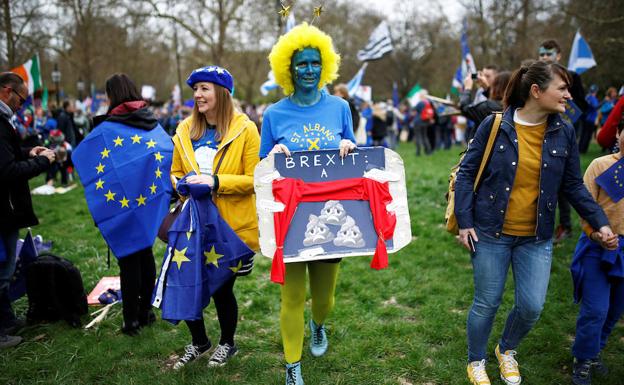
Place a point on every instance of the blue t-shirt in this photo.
(205, 149)
(320, 126)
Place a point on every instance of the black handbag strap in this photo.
(216, 170)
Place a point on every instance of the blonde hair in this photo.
(298, 38)
(225, 112)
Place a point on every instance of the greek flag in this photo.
(581, 56)
(379, 43)
(354, 83)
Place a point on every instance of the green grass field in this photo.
(403, 325)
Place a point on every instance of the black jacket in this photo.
(16, 168)
(66, 124)
(141, 118)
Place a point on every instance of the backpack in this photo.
(427, 113)
(55, 290)
(450, 219)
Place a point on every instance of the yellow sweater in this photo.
(235, 198)
(521, 215)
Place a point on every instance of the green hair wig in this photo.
(298, 38)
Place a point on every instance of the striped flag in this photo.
(31, 73)
(379, 43)
(467, 64)
(581, 56)
(354, 83)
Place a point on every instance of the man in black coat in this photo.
(66, 124)
(17, 166)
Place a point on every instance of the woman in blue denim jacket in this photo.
(510, 217)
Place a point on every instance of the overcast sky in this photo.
(453, 9)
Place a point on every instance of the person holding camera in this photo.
(17, 166)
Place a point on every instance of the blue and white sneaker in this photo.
(293, 374)
(318, 339)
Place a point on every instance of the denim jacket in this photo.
(560, 172)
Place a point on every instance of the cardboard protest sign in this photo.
(338, 207)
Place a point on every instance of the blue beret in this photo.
(212, 74)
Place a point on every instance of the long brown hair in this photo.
(539, 73)
(497, 91)
(225, 112)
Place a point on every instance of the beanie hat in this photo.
(212, 74)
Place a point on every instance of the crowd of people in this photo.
(506, 218)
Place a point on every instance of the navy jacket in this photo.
(560, 171)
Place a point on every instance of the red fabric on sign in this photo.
(291, 192)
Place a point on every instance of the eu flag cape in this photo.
(125, 173)
(203, 253)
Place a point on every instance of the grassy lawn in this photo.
(403, 325)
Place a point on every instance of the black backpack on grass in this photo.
(55, 291)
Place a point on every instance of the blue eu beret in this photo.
(212, 74)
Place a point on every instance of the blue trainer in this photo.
(293, 374)
(318, 339)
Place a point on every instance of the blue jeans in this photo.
(530, 261)
(7, 268)
(602, 304)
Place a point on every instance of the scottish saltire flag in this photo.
(125, 173)
(581, 56)
(379, 43)
(354, 83)
(203, 253)
(467, 64)
(612, 181)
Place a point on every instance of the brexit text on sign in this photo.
(316, 205)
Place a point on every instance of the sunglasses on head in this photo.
(21, 98)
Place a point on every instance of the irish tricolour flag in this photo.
(31, 73)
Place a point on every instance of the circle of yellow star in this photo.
(153, 188)
(141, 200)
(124, 202)
(151, 143)
(158, 156)
(236, 268)
(105, 153)
(99, 184)
(100, 168)
(158, 172)
(118, 141)
(110, 196)
(136, 139)
(212, 257)
(179, 257)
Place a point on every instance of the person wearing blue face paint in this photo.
(303, 61)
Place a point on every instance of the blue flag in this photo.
(203, 253)
(354, 83)
(395, 94)
(612, 181)
(581, 56)
(125, 173)
(26, 254)
(572, 112)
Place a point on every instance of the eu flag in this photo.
(203, 253)
(125, 173)
(612, 181)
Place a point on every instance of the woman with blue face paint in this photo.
(304, 61)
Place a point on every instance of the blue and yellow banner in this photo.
(612, 181)
(125, 173)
